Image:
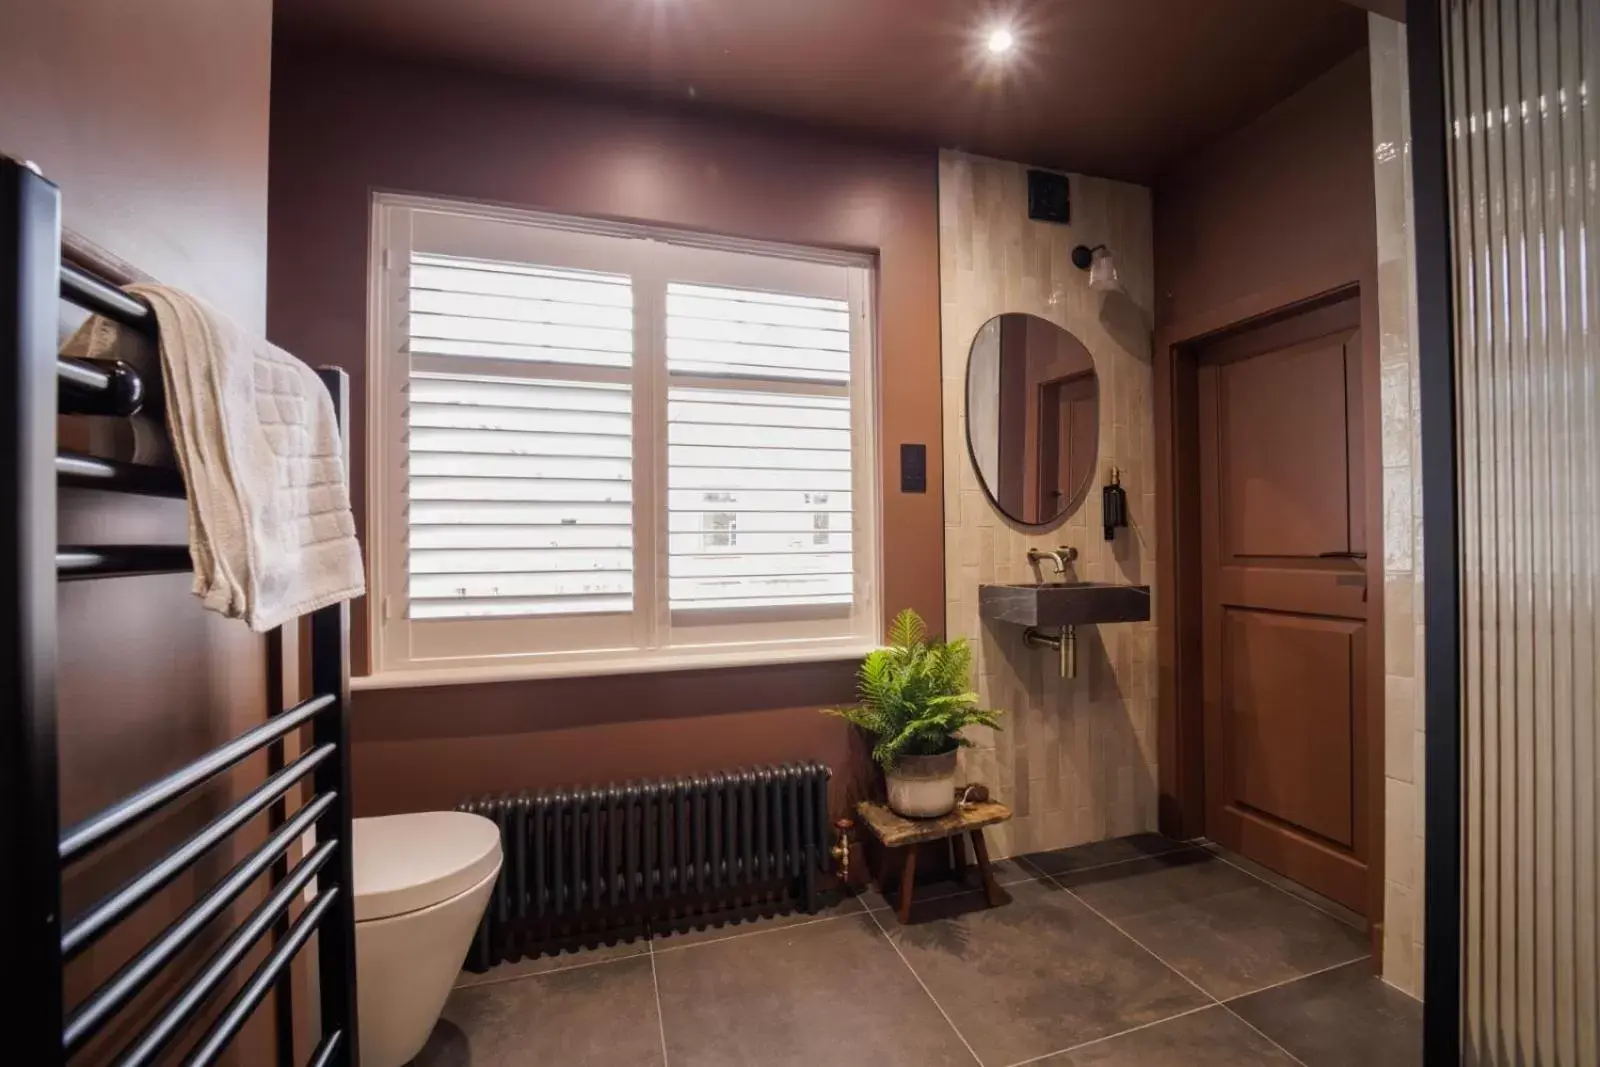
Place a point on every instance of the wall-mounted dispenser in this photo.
(1114, 505)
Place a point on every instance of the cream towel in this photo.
(254, 432)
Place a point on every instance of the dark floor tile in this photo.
(577, 955)
(1214, 1037)
(945, 884)
(1155, 882)
(583, 1017)
(1037, 975)
(1100, 853)
(828, 993)
(1293, 888)
(1345, 1017)
(1218, 926)
(697, 930)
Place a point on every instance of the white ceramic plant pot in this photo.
(923, 787)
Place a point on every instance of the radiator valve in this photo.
(841, 848)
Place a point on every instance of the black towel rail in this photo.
(75, 562)
(75, 471)
(36, 941)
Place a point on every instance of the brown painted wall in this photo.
(155, 126)
(1280, 211)
(344, 125)
(1284, 205)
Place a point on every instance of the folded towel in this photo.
(254, 432)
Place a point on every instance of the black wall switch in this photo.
(913, 468)
(1049, 197)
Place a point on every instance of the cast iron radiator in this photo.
(595, 857)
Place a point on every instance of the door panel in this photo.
(1287, 682)
(1284, 599)
(1283, 452)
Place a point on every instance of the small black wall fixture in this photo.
(1083, 256)
(1049, 196)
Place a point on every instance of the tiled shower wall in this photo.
(1402, 510)
(1077, 759)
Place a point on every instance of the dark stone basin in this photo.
(1051, 604)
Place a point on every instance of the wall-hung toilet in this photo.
(421, 884)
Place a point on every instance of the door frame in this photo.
(1180, 712)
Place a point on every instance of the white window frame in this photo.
(408, 652)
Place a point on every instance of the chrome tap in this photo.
(1059, 557)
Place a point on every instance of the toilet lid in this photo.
(407, 862)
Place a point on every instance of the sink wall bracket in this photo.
(1064, 643)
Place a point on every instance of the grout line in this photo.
(1397, 989)
(1264, 1036)
(1105, 919)
(1186, 978)
(1110, 1037)
(757, 933)
(1292, 896)
(661, 1018)
(480, 983)
(1184, 847)
(935, 1000)
(1298, 977)
(1215, 1002)
(1033, 872)
(886, 904)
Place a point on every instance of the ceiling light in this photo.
(1000, 41)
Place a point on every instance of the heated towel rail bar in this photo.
(36, 940)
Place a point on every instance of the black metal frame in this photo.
(1441, 979)
(35, 942)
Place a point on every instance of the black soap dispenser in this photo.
(1114, 505)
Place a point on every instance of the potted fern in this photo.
(914, 701)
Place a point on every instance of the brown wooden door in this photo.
(1284, 595)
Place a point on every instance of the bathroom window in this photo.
(599, 448)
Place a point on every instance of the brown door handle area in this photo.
(1341, 555)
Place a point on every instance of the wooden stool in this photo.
(896, 831)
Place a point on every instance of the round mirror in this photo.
(1033, 417)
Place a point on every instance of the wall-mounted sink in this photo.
(1051, 604)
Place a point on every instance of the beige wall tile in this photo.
(1402, 955)
(1076, 760)
(1399, 625)
(1400, 727)
(1400, 801)
(1402, 511)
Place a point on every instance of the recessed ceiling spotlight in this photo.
(1000, 41)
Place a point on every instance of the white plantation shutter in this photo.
(466, 307)
(520, 489)
(763, 439)
(598, 447)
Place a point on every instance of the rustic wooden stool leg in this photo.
(980, 850)
(958, 857)
(908, 881)
(884, 867)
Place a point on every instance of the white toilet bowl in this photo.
(422, 882)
